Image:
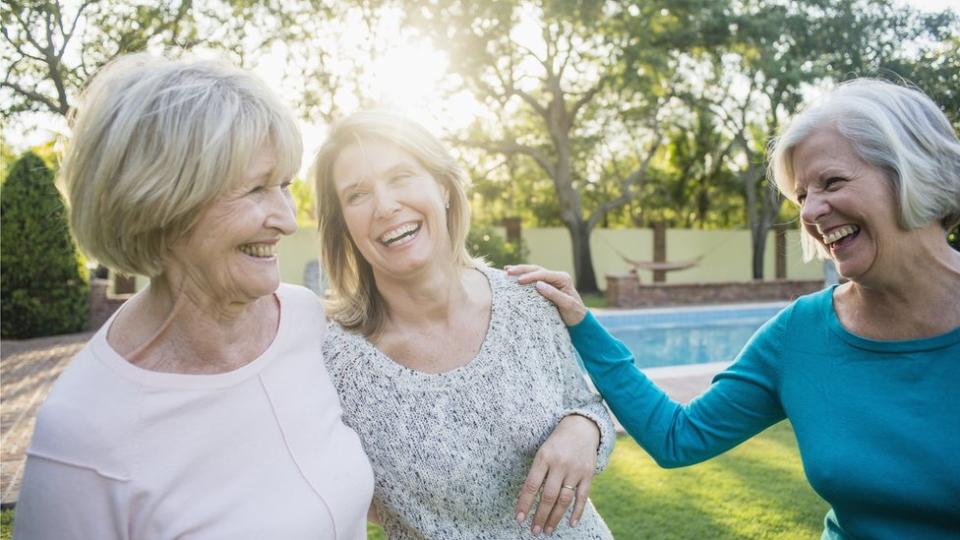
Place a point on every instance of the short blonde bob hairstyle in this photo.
(154, 143)
(894, 128)
(354, 301)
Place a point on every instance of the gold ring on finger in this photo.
(565, 486)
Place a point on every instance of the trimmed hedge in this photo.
(43, 281)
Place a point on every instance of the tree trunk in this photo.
(586, 279)
(758, 239)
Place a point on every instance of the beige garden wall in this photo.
(726, 253)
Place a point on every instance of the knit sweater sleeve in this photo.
(742, 401)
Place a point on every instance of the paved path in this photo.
(29, 367)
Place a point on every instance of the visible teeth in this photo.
(837, 234)
(259, 250)
(394, 234)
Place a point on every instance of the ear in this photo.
(445, 193)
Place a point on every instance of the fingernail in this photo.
(520, 517)
(548, 531)
(574, 522)
(536, 529)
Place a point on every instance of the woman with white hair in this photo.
(199, 410)
(865, 371)
(461, 384)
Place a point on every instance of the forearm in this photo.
(673, 434)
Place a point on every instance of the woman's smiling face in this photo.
(846, 205)
(393, 208)
(230, 254)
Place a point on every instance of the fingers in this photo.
(583, 492)
(564, 499)
(517, 269)
(530, 488)
(572, 310)
(560, 280)
(553, 495)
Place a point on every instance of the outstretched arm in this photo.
(742, 401)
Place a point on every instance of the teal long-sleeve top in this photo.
(877, 422)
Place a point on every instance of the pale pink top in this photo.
(258, 452)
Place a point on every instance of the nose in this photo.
(814, 207)
(282, 213)
(386, 204)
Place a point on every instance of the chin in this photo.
(262, 288)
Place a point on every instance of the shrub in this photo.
(484, 241)
(43, 282)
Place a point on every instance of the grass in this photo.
(595, 300)
(756, 491)
(6, 522)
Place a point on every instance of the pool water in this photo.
(677, 336)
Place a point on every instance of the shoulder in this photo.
(796, 325)
(302, 307)
(343, 350)
(521, 302)
(811, 307)
(299, 299)
(88, 418)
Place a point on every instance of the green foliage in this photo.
(43, 281)
(6, 524)
(306, 201)
(485, 241)
(54, 46)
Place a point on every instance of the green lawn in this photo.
(754, 491)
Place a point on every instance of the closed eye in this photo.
(353, 196)
(833, 183)
(402, 175)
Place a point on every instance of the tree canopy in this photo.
(589, 112)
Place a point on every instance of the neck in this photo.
(428, 298)
(923, 290)
(169, 329)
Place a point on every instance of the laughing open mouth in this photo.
(400, 233)
(259, 250)
(836, 236)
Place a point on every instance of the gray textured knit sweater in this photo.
(451, 450)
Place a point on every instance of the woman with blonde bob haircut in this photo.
(462, 385)
(865, 371)
(199, 409)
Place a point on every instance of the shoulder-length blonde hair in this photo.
(354, 301)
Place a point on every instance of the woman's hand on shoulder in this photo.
(561, 472)
(556, 287)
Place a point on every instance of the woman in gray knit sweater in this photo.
(461, 383)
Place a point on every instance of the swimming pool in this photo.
(690, 335)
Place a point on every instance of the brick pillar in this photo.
(659, 250)
(513, 227)
(780, 249)
(124, 284)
